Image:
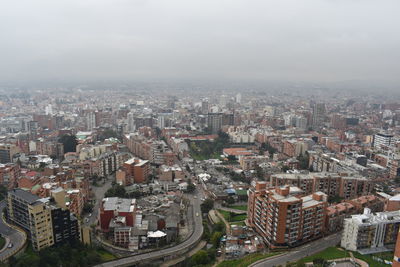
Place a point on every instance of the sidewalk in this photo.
(227, 225)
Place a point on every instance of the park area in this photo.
(337, 253)
(232, 218)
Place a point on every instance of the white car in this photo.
(10, 245)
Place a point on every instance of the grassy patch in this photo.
(238, 218)
(327, 254)
(335, 253)
(231, 217)
(225, 214)
(238, 223)
(370, 260)
(105, 255)
(246, 261)
(239, 207)
(384, 255)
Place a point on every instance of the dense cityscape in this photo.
(190, 179)
(184, 133)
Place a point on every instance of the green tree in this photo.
(215, 238)
(191, 187)
(116, 191)
(304, 161)
(200, 257)
(230, 200)
(207, 205)
(69, 142)
(108, 133)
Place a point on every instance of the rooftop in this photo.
(119, 204)
(25, 195)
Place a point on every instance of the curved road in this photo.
(196, 236)
(16, 238)
(301, 252)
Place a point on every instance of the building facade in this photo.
(371, 233)
(282, 217)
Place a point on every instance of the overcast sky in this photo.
(299, 40)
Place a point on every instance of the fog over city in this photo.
(315, 41)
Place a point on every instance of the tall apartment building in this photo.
(382, 139)
(45, 223)
(371, 233)
(9, 174)
(282, 217)
(137, 170)
(214, 122)
(318, 114)
(130, 127)
(332, 184)
(7, 151)
(204, 106)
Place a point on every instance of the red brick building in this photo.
(113, 207)
(283, 217)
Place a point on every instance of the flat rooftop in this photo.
(25, 195)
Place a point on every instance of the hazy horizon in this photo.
(316, 41)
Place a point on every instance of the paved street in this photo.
(99, 192)
(15, 237)
(197, 233)
(302, 252)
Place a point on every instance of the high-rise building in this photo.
(131, 127)
(318, 114)
(382, 139)
(33, 127)
(7, 151)
(214, 122)
(49, 110)
(282, 217)
(369, 232)
(239, 98)
(90, 121)
(204, 106)
(301, 122)
(228, 119)
(45, 223)
(163, 120)
(137, 170)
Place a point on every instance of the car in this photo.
(87, 220)
(195, 197)
(10, 245)
(90, 214)
(197, 214)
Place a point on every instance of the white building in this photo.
(381, 139)
(131, 127)
(371, 233)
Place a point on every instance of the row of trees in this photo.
(68, 255)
